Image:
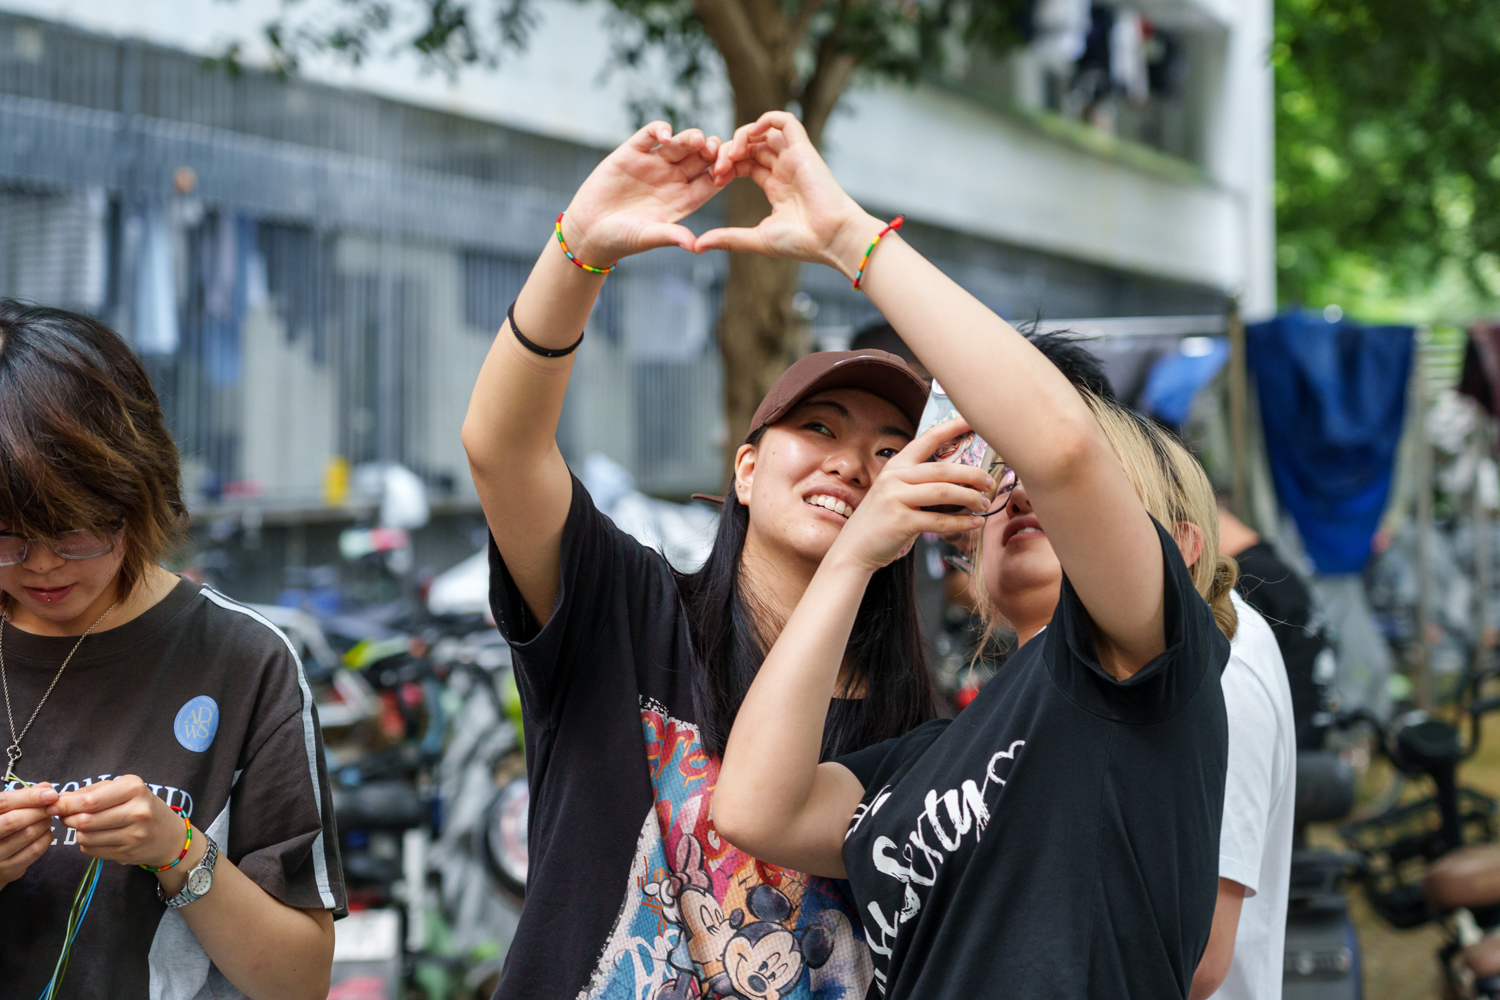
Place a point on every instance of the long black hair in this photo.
(886, 654)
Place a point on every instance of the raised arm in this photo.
(774, 800)
(632, 202)
(1014, 397)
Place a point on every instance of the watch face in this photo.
(199, 881)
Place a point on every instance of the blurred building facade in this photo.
(313, 268)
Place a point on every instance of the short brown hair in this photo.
(83, 443)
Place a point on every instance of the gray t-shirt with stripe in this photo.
(207, 702)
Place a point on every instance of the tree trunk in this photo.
(758, 332)
(756, 327)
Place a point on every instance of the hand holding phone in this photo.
(967, 449)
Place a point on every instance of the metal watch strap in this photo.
(187, 895)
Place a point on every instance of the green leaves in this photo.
(447, 34)
(901, 39)
(1388, 146)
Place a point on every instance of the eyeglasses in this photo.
(82, 544)
(1006, 482)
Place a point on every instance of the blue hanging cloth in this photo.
(1332, 399)
(1177, 378)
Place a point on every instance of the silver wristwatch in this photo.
(199, 880)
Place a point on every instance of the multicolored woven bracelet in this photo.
(864, 261)
(564, 244)
(187, 823)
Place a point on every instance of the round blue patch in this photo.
(196, 723)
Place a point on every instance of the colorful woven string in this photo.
(80, 908)
(187, 823)
(864, 261)
(82, 897)
(564, 244)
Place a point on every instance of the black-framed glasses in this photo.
(81, 544)
(1006, 482)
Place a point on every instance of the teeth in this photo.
(1029, 531)
(831, 503)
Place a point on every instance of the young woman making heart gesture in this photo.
(630, 672)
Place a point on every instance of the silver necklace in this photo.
(13, 752)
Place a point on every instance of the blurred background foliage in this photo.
(1388, 156)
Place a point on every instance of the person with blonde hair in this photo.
(1175, 491)
(1243, 958)
(1059, 837)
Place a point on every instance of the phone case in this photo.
(967, 449)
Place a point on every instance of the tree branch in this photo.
(749, 63)
(823, 90)
(805, 14)
(769, 20)
(829, 78)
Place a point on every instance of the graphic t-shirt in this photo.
(206, 702)
(631, 894)
(1060, 837)
(1260, 792)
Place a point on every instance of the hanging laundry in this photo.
(1178, 377)
(1481, 373)
(154, 329)
(1060, 28)
(1164, 64)
(1096, 44)
(1127, 55)
(225, 265)
(1332, 400)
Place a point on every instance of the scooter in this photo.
(1417, 862)
(1322, 949)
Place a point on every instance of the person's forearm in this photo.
(518, 396)
(771, 760)
(1024, 406)
(510, 433)
(970, 349)
(269, 950)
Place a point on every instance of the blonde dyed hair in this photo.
(1173, 488)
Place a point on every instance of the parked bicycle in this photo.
(422, 725)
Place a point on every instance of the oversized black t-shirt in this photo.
(1060, 837)
(631, 894)
(205, 701)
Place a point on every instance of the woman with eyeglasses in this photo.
(151, 723)
(1059, 838)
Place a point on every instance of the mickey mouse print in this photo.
(702, 919)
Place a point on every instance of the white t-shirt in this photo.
(1260, 790)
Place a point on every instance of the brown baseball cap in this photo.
(879, 372)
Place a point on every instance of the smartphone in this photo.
(967, 449)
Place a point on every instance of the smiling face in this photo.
(763, 962)
(708, 929)
(810, 470)
(61, 592)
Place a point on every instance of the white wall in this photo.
(932, 155)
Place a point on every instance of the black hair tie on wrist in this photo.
(546, 352)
